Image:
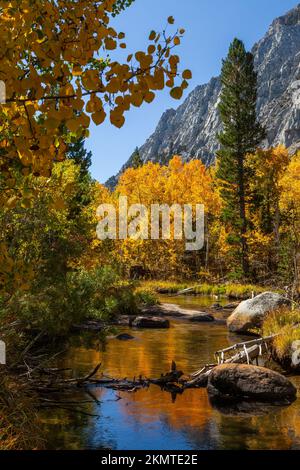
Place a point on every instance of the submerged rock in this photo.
(202, 317)
(170, 310)
(230, 306)
(242, 382)
(250, 313)
(124, 337)
(150, 322)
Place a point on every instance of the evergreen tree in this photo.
(78, 153)
(241, 135)
(136, 160)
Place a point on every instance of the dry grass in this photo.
(237, 291)
(18, 421)
(287, 323)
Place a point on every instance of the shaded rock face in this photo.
(150, 322)
(191, 130)
(240, 382)
(250, 313)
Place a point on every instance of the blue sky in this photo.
(210, 26)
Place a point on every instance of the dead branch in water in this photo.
(53, 382)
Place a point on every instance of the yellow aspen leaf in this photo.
(99, 117)
(184, 84)
(170, 83)
(151, 49)
(187, 74)
(152, 35)
(137, 99)
(176, 93)
(110, 44)
(77, 71)
(84, 120)
(149, 96)
(171, 20)
(116, 119)
(78, 104)
(73, 124)
(159, 79)
(176, 41)
(113, 86)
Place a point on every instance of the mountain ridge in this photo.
(191, 129)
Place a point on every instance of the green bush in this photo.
(145, 297)
(96, 294)
(286, 324)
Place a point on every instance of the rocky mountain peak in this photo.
(191, 130)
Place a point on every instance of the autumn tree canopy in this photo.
(58, 67)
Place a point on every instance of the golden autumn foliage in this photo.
(272, 211)
(57, 80)
(60, 74)
(289, 204)
(152, 183)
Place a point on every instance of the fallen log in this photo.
(188, 290)
(249, 350)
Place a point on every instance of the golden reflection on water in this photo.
(190, 420)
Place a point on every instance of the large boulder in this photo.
(295, 355)
(291, 359)
(150, 322)
(250, 313)
(240, 382)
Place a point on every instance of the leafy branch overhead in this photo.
(58, 67)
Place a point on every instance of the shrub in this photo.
(99, 293)
(285, 323)
(145, 297)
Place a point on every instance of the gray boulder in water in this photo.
(250, 313)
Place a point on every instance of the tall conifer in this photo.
(240, 136)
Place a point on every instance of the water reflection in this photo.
(148, 419)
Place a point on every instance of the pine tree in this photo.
(78, 153)
(241, 135)
(136, 160)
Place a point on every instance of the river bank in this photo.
(219, 290)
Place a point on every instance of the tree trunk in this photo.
(242, 207)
